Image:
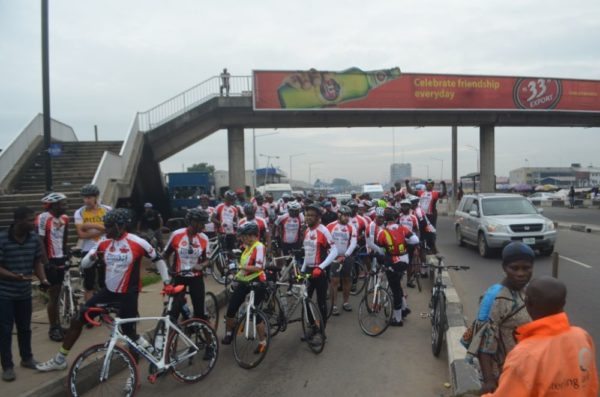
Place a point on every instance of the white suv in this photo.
(492, 220)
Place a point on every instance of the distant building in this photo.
(400, 172)
(562, 177)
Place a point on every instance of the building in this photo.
(562, 177)
(400, 172)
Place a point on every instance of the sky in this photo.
(110, 59)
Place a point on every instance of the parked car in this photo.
(545, 196)
(492, 220)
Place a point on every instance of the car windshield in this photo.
(507, 206)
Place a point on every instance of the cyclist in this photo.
(151, 224)
(334, 204)
(252, 263)
(329, 215)
(358, 222)
(122, 254)
(373, 231)
(52, 227)
(225, 218)
(317, 241)
(289, 229)
(240, 196)
(190, 247)
(209, 227)
(393, 239)
(344, 238)
(426, 229)
(429, 198)
(283, 203)
(272, 207)
(264, 236)
(262, 209)
(90, 228)
(410, 221)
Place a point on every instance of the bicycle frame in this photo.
(249, 308)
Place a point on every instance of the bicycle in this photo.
(414, 270)
(359, 271)
(376, 307)
(437, 305)
(109, 369)
(219, 259)
(69, 297)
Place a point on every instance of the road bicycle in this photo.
(70, 296)
(413, 275)
(377, 305)
(219, 259)
(109, 369)
(359, 271)
(437, 305)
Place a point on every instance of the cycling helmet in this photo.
(327, 204)
(118, 216)
(90, 190)
(516, 251)
(286, 196)
(248, 228)
(379, 211)
(294, 206)
(352, 204)
(414, 199)
(249, 208)
(345, 210)
(196, 214)
(368, 203)
(315, 207)
(390, 214)
(259, 197)
(53, 198)
(405, 202)
(230, 195)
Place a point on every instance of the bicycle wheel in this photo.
(218, 266)
(438, 321)
(158, 341)
(360, 276)
(375, 312)
(418, 280)
(313, 327)
(246, 342)
(211, 310)
(84, 374)
(272, 308)
(192, 362)
(66, 307)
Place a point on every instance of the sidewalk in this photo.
(32, 383)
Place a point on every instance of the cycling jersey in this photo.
(410, 221)
(188, 254)
(262, 211)
(263, 229)
(227, 215)
(52, 231)
(394, 238)
(372, 233)
(317, 240)
(424, 224)
(282, 207)
(290, 227)
(272, 209)
(252, 256)
(428, 200)
(123, 258)
(359, 223)
(209, 227)
(344, 237)
(87, 216)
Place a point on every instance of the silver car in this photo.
(492, 220)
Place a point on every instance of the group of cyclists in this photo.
(323, 234)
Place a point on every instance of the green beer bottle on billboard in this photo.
(315, 89)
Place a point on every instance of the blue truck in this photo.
(184, 189)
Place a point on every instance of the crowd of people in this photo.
(324, 234)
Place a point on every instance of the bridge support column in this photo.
(237, 168)
(487, 159)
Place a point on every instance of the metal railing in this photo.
(190, 98)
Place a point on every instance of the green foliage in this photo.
(202, 167)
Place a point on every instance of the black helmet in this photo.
(230, 194)
(515, 251)
(315, 207)
(90, 190)
(390, 214)
(249, 208)
(196, 214)
(248, 228)
(118, 216)
(352, 204)
(345, 210)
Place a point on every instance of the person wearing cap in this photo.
(262, 209)
(429, 198)
(283, 203)
(264, 236)
(334, 203)
(151, 224)
(209, 227)
(494, 335)
(225, 218)
(410, 221)
(240, 196)
(330, 215)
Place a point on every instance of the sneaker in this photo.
(227, 339)
(353, 287)
(8, 375)
(347, 307)
(56, 334)
(29, 364)
(335, 311)
(209, 353)
(406, 312)
(396, 323)
(51, 365)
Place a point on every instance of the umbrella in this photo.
(549, 187)
(540, 188)
(522, 187)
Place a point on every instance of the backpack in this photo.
(485, 307)
(395, 242)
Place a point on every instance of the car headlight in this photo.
(495, 228)
(550, 225)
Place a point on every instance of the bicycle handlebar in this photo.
(103, 314)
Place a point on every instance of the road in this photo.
(583, 216)
(579, 268)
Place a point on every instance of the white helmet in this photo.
(54, 198)
(294, 206)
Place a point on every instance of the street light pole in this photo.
(46, 96)
(292, 156)
(254, 136)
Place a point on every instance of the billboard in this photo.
(389, 89)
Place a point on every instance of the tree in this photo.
(202, 167)
(340, 183)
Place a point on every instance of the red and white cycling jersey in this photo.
(188, 253)
(425, 225)
(52, 231)
(262, 211)
(227, 215)
(317, 241)
(282, 207)
(359, 223)
(393, 238)
(344, 237)
(263, 228)
(272, 209)
(122, 258)
(335, 208)
(428, 200)
(209, 227)
(410, 221)
(290, 227)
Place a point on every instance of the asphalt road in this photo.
(579, 268)
(397, 363)
(582, 216)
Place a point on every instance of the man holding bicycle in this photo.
(121, 253)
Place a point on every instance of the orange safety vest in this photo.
(396, 245)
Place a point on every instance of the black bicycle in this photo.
(437, 305)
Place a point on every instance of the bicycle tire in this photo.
(211, 310)
(84, 373)
(381, 309)
(418, 281)
(438, 321)
(218, 270)
(314, 334)
(272, 308)
(205, 340)
(243, 345)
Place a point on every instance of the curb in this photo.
(58, 386)
(579, 227)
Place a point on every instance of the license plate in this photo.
(529, 240)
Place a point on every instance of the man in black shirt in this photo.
(329, 215)
(150, 225)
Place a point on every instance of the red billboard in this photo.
(389, 89)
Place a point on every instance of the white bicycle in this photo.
(69, 297)
(376, 307)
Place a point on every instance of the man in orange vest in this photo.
(552, 358)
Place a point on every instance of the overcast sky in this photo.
(110, 59)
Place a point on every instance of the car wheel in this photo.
(459, 237)
(482, 245)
